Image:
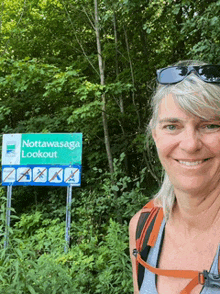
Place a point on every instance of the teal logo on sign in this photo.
(10, 149)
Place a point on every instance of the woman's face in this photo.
(188, 148)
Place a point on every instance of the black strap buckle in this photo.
(135, 252)
(211, 280)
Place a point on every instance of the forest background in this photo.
(88, 66)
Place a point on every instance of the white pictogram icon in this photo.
(55, 175)
(71, 175)
(8, 175)
(39, 174)
(24, 174)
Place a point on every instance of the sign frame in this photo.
(61, 151)
(27, 169)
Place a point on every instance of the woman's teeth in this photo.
(191, 163)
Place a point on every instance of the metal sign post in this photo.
(68, 217)
(8, 215)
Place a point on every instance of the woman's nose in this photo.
(191, 141)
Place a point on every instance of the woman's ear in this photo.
(153, 132)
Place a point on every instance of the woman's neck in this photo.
(196, 213)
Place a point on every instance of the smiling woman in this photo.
(186, 130)
(188, 148)
(193, 96)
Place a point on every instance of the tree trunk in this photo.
(102, 82)
(132, 78)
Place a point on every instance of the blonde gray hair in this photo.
(195, 97)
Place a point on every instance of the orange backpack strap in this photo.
(197, 277)
(147, 231)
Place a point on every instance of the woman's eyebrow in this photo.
(170, 119)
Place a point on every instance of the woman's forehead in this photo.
(170, 109)
(169, 105)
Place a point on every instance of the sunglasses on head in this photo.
(175, 74)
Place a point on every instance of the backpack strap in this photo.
(147, 230)
(148, 227)
(196, 276)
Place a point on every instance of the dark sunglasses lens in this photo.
(172, 75)
(210, 73)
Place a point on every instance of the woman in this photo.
(186, 130)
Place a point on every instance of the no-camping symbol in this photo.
(55, 175)
(71, 175)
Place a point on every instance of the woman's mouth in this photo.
(191, 162)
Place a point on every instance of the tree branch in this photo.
(77, 39)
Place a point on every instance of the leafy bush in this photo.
(113, 261)
(88, 267)
(97, 261)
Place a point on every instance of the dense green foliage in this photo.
(50, 82)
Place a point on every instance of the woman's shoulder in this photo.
(134, 220)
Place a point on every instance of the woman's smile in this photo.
(192, 162)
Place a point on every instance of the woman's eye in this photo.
(170, 127)
(212, 127)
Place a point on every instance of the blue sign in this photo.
(42, 159)
(41, 175)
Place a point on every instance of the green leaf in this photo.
(115, 188)
(31, 289)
